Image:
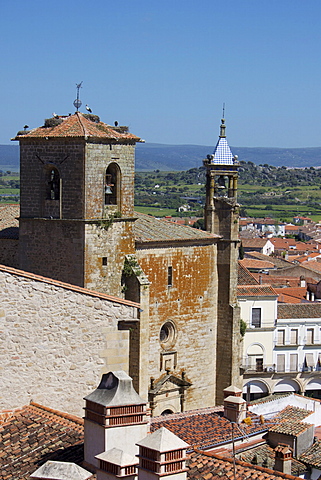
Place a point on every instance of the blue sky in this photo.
(165, 67)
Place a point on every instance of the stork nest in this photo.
(52, 122)
(92, 117)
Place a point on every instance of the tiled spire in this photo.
(222, 152)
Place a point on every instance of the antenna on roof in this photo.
(223, 110)
(78, 102)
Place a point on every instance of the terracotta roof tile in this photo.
(256, 291)
(148, 229)
(35, 434)
(211, 466)
(264, 455)
(245, 277)
(312, 456)
(206, 429)
(79, 125)
(292, 413)
(291, 294)
(302, 310)
(278, 262)
(258, 264)
(254, 242)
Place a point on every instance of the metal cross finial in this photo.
(223, 109)
(78, 102)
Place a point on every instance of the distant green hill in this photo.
(156, 156)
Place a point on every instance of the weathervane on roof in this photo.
(78, 102)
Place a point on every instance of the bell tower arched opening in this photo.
(112, 185)
(52, 204)
(52, 183)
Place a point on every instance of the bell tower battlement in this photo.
(77, 177)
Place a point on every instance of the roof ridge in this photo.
(68, 286)
(81, 123)
(63, 417)
(246, 464)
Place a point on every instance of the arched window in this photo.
(112, 187)
(53, 184)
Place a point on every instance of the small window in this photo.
(104, 261)
(170, 277)
(280, 337)
(280, 363)
(310, 336)
(256, 317)
(294, 337)
(293, 362)
(167, 334)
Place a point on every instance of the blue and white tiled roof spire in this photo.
(222, 152)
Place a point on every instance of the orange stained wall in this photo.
(191, 304)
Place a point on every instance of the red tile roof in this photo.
(264, 455)
(312, 456)
(291, 294)
(302, 310)
(204, 429)
(254, 242)
(257, 264)
(80, 125)
(291, 427)
(278, 262)
(256, 291)
(148, 229)
(211, 466)
(245, 277)
(35, 434)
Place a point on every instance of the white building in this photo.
(281, 345)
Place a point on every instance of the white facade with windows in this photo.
(258, 305)
(281, 346)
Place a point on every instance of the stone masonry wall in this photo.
(53, 248)
(56, 342)
(111, 243)
(98, 157)
(36, 156)
(9, 252)
(190, 303)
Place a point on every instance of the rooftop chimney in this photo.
(115, 417)
(283, 458)
(116, 464)
(231, 390)
(162, 454)
(234, 408)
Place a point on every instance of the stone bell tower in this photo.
(221, 218)
(77, 201)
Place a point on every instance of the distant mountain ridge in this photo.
(157, 156)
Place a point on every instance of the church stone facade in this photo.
(77, 225)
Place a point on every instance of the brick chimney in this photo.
(283, 458)
(115, 417)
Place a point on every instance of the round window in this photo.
(167, 334)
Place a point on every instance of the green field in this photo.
(156, 212)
